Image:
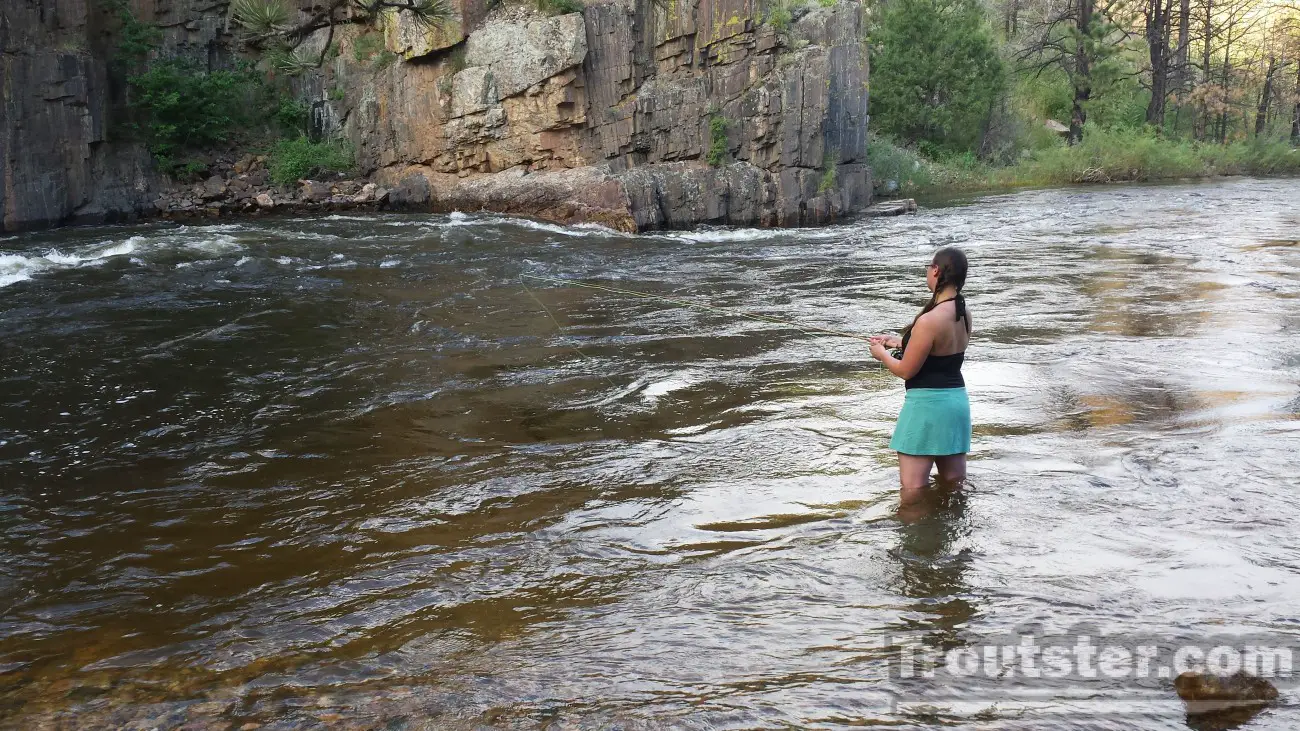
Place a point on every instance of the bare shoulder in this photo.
(942, 313)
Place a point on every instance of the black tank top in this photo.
(940, 371)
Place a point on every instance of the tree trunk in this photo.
(1157, 33)
(1222, 134)
(1082, 73)
(1184, 40)
(1261, 112)
(1295, 113)
(1202, 127)
(1012, 19)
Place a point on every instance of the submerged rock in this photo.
(1223, 702)
(900, 207)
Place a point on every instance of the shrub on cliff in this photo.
(176, 104)
(293, 160)
(559, 7)
(935, 73)
(717, 140)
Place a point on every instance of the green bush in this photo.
(135, 39)
(293, 160)
(828, 176)
(1104, 155)
(717, 140)
(890, 161)
(177, 104)
(780, 17)
(559, 7)
(385, 59)
(292, 116)
(935, 73)
(367, 45)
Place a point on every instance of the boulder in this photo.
(1057, 128)
(366, 195)
(264, 200)
(214, 187)
(473, 90)
(523, 54)
(900, 207)
(314, 191)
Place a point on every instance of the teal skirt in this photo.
(934, 422)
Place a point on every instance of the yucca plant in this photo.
(288, 61)
(428, 13)
(261, 17)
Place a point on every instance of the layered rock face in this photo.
(608, 115)
(61, 160)
(633, 113)
(56, 162)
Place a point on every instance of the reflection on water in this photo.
(350, 472)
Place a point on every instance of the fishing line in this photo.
(809, 329)
(560, 329)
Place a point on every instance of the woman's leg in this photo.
(913, 474)
(952, 468)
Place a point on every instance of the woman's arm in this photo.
(918, 348)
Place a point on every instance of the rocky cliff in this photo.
(633, 113)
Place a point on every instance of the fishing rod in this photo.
(686, 303)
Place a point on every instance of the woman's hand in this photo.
(889, 341)
(878, 349)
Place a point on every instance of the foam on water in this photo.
(729, 235)
(17, 267)
(676, 382)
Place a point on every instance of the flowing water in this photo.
(348, 472)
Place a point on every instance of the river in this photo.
(348, 472)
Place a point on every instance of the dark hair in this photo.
(952, 271)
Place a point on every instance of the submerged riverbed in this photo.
(348, 472)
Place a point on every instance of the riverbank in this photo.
(1103, 157)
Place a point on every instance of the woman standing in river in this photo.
(934, 426)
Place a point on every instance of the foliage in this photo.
(135, 39)
(289, 62)
(1103, 156)
(936, 73)
(177, 104)
(779, 16)
(826, 3)
(261, 17)
(891, 163)
(385, 59)
(559, 7)
(428, 13)
(828, 176)
(292, 115)
(294, 159)
(367, 45)
(456, 60)
(717, 140)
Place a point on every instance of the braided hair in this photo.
(952, 271)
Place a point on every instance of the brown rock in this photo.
(314, 191)
(214, 187)
(1207, 694)
(366, 195)
(264, 200)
